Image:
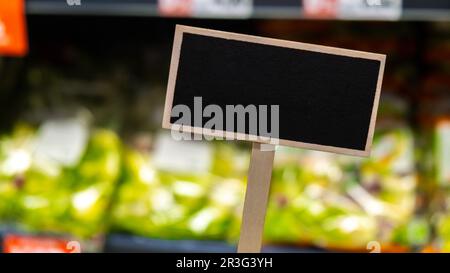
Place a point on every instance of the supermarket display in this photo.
(355, 213)
(173, 201)
(47, 195)
(86, 167)
(203, 201)
(342, 202)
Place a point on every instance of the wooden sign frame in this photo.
(178, 39)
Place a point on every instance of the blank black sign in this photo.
(327, 97)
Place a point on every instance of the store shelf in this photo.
(125, 243)
(131, 243)
(431, 10)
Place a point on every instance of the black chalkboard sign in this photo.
(327, 97)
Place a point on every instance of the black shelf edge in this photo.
(432, 10)
(105, 8)
(125, 243)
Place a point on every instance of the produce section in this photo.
(130, 187)
(47, 196)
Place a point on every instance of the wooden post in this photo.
(256, 196)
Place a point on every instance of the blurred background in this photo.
(83, 157)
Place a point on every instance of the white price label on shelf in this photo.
(206, 8)
(370, 9)
(223, 8)
(182, 156)
(353, 9)
(62, 140)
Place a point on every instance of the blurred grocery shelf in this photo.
(126, 243)
(129, 189)
(433, 10)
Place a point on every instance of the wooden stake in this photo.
(256, 196)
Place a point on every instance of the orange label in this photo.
(13, 37)
(32, 244)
